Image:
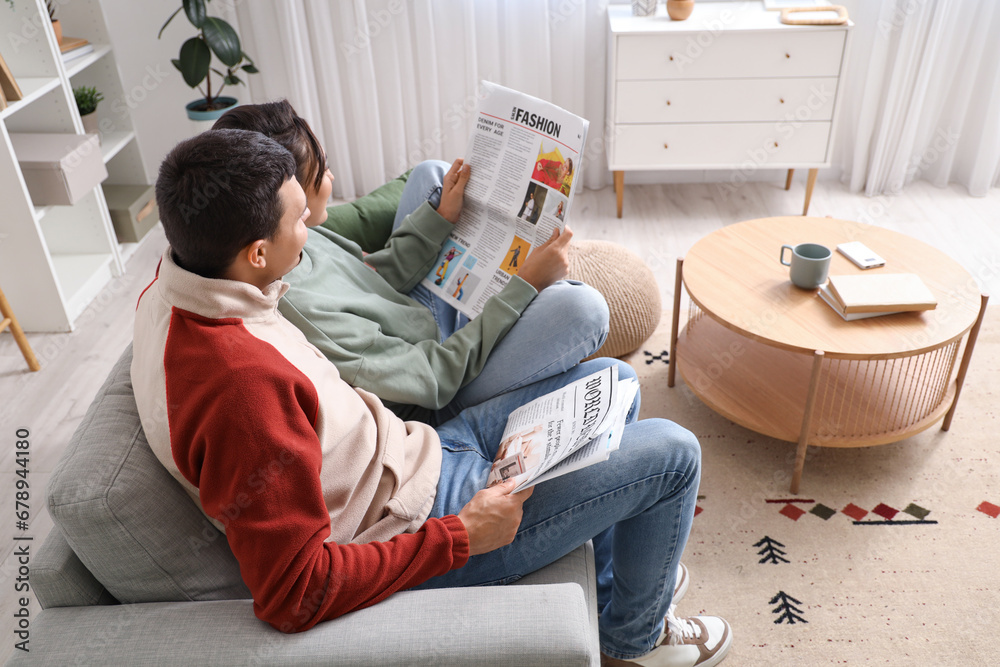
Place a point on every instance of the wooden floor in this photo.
(660, 223)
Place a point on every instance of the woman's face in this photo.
(317, 198)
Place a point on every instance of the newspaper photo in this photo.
(524, 154)
(571, 428)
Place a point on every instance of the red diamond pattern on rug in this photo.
(792, 512)
(989, 508)
(855, 512)
(885, 511)
(697, 510)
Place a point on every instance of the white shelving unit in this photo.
(55, 259)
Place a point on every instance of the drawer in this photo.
(719, 145)
(735, 55)
(725, 100)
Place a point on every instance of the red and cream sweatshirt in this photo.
(322, 492)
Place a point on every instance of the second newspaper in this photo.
(525, 159)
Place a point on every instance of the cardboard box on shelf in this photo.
(59, 169)
(133, 210)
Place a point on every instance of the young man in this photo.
(329, 501)
(388, 333)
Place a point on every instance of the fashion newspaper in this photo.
(525, 158)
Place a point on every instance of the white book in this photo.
(831, 301)
(77, 52)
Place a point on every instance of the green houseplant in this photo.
(87, 99)
(215, 38)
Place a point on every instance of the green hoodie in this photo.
(355, 309)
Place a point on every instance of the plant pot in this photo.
(90, 125)
(57, 29)
(680, 9)
(225, 104)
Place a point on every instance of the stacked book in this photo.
(72, 48)
(855, 297)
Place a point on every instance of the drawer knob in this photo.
(781, 99)
(775, 144)
(671, 58)
(787, 55)
(665, 145)
(668, 103)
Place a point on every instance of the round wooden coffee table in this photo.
(778, 360)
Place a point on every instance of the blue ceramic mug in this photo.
(809, 262)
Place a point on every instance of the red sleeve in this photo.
(241, 428)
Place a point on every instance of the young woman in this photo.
(387, 333)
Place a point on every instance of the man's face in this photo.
(284, 250)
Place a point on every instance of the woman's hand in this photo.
(548, 262)
(453, 191)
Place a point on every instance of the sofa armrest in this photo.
(492, 625)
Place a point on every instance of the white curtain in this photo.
(931, 102)
(388, 83)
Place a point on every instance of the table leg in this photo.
(678, 283)
(963, 368)
(809, 189)
(788, 179)
(619, 189)
(800, 454)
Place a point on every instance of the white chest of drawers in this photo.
(729, 88)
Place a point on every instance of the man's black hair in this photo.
(218, 193)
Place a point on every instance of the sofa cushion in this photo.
(60, 579)
(126, 518)
(368, 220)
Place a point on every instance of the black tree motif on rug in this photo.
(789, 613)
(770, 551)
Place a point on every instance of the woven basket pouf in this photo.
(629, 287)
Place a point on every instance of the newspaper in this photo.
(568, 429)
(525, 159)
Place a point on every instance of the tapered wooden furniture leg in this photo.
(800, 454)
(963, 367)
(788, 179)
(619, 189)
(678, 282)
(809, 190)
(22, 341)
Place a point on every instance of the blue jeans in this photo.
(565, 323)
(637, 507)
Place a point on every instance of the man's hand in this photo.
(453, 191)
(492, 517)
(548, 262)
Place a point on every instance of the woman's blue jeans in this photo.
(637, 507)
(562, 325)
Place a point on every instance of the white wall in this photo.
(155, 92)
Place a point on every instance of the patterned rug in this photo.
(889, 555)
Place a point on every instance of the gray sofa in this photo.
(133, 574)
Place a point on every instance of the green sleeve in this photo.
(412, 250)
(368, 220)
(426, 373)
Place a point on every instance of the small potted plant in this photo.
(215, 37)
(87, 99)
(56, 25)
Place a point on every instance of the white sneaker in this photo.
(699, 641)
(681, 585)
